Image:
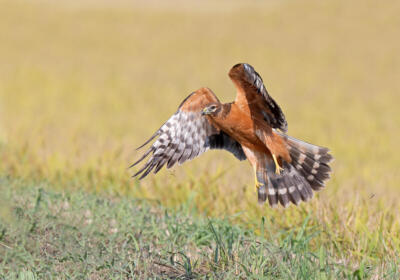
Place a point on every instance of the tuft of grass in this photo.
(76, 235)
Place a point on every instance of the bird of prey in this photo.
(253, 127)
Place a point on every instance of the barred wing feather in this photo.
(186, 135)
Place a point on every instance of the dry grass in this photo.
(81, 85)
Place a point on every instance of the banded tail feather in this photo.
(288, 186)
(311, 161)
(306, 173)
(284, 188)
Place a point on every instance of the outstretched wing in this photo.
(186, 135)
(251, 91)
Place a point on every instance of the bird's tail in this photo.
(307, 172)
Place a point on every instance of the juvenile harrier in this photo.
(253, 127)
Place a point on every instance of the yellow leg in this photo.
(258, 184)
(278, 169)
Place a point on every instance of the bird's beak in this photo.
(205, 111)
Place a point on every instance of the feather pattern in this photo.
(184, 136)
(288, 186)
(252, 82)
(307, 172)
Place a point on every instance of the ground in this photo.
(75, 235)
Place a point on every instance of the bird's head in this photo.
(211, 109)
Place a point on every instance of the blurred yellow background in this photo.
(83, 83)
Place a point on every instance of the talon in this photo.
(278, 169)
(258, 184)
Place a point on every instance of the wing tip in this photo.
(148, 140)
(239, 69)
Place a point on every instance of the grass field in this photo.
(82, 84)
(73, 235)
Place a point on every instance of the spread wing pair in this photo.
(188, 133)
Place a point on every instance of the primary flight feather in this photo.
(252, 127)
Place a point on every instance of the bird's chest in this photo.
(242, 126)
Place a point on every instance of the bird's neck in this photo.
(225, 110)
(219, 118)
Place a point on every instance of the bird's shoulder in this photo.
(198, 99)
